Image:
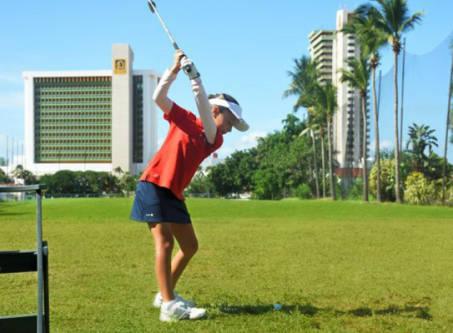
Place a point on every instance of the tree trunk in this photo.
(323, 166)
(331, 175)
(376, 139)
(401, 133)
(315, 165)
(395, 112)
(364, 148)
(444, 168)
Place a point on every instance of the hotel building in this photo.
(91, 120)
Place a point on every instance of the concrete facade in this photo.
(347, 120)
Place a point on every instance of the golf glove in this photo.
(189, 68)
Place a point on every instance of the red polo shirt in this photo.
(183, 150)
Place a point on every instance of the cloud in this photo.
(10, 100)
(249, 140)
(386, 144)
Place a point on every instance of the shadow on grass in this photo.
(6, 213)
(309, 310)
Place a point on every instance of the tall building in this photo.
(91, 120)
(321, 50)
(332, 50)
(347, 124)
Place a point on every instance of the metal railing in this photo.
(21, 261)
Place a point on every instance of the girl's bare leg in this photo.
(188, 244)
(163, 240)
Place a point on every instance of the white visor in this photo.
(235, 109)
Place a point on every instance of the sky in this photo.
(244, 48)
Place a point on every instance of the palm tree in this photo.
(326, 106)
(318, 117)
(319, 100)
(444, 167)
(393, 19)
(304, 79)
(358, 77)
(311, 130)
(371, 40)
(420, 138)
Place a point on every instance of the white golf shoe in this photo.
(158, 300)
(177, 310)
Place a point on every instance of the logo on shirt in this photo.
(150, 215)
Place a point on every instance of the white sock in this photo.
(168, 304)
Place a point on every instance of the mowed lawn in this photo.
(334, 266)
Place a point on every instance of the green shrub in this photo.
(419, 190)
(356, 190)
(303, 191)
(387, 180)
(449, 196)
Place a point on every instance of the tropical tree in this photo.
(304, 83)
(392, 17)
(371, 40)
(325, 106)
(319, 100)
(26, 175)
(358, 77)
(311, 129)
(421, 138)
(449, 124)
(3, 177)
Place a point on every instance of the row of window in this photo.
(66, 98)
(80, 141)
(75, 107)
(65, 104)
(73, 146)
(73, 129)
(66, 121)
(69, 134)
(73, 91)
(63, 157)
(70, 79)
(68, 114)
(63, 149)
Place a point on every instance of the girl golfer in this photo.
(159, 199)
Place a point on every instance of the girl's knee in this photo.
(164, 245)
(191, 248)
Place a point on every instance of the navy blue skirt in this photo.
(155, 204)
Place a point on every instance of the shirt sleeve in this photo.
(183, 119)
(216, 145)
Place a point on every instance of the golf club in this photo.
(152, 7)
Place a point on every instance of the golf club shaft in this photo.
(162, 23)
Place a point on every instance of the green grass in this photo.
(334, 266)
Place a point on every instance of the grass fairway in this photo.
(334, 266)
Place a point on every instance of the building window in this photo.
(137, 93)
(73, 118)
